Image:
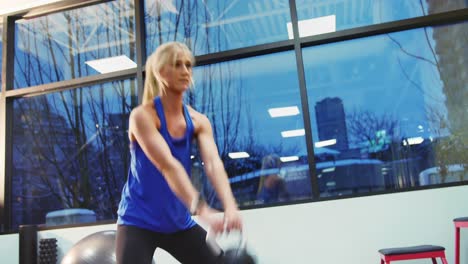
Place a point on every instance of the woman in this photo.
(158, 198)
(272, 187)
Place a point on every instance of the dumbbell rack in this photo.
(47, 251)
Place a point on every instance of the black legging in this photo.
(137, 245)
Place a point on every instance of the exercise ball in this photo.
(96, 248)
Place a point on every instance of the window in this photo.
(76, 43)
(389, 115)
(70, 151)
(318, 17)
(255, 109)
(214, 26)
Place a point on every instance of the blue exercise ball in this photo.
(96, 248)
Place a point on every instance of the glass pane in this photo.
(213, 26)
(76, 43)
(252, 104)
(392, 115)
(70, 154)
(318, 17)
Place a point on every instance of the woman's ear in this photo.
(162, 72)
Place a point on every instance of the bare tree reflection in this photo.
(80, 162)
(445, 112)
(371, 129)
(70, 147)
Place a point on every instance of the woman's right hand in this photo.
(213, 218)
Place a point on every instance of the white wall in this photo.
(352, 230)
(9, 248)
(340, 231)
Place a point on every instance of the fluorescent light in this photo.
(413, 141)
(331, 169)
(313, 26)
(293, 133)
(289, 158)
(18, 5)
(112, 64)
(325, 143)
(283, 111)
(238, 155)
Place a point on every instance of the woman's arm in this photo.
(215, 171)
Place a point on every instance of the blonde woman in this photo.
(272, 187)
(158, 199)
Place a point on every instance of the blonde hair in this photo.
(270, 163)
(165, 54)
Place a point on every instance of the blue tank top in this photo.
(147, 200)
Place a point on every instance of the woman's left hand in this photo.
(232, 220)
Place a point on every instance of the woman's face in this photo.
(179, 75)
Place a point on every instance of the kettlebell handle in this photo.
(211, 241)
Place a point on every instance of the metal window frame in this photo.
(6, 111)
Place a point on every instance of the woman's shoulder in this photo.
(144, 111)
(199, 120)
(195, 115)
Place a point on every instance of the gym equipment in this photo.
(388, 255)
(460, 222)
(95, 248)
(47, 251)
(237, 254)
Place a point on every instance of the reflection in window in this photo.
(251, 102)
(318, 17)
(76, 43)
(213, 26)
(392, 115)
(70, 154)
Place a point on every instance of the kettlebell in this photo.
(237, 254)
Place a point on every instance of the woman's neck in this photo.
(172, 102)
